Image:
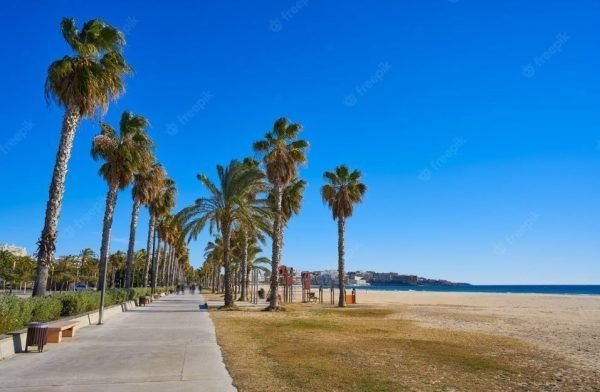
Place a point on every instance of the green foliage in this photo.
(16, 268)
(14, 313)
(135, 293)
(75, 303)
(45, 308)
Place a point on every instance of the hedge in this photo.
(16, 313)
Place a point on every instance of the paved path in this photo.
(169, 345)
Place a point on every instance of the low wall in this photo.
(14, 342)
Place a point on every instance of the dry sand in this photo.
(568, 325)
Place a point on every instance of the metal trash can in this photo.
(37, 335)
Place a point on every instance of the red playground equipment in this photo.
(286, 280)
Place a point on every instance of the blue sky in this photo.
(476, 125)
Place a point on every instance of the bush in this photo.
(137, 292)
(15, 313)
(76, 303)
(45, 309)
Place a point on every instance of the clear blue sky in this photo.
(476, 125)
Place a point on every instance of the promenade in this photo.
(169, 345)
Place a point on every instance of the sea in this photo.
(508, 289)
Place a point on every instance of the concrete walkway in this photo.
(169, 345)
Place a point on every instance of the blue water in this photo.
(515, 289)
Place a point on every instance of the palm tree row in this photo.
(84, 83)
(273, 205)
(251, 199)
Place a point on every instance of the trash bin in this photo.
(37, 335)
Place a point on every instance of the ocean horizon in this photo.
(506, 289)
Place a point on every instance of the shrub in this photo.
(137, 292)
(15, 313)
(76, 303)
(45, 308)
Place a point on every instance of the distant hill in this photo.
(411, 280)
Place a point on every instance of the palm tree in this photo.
(282, 153)
(159, 207)
(85, 254)
(142, 192)
(123, 155)
(291, 200)
(343, 190)
(156, 184)
(254, 261)
(250, 230)
(227, 205)
(84, 84)
(139, 261)
(213, 254)
(117, 261)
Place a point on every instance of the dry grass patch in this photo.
(372, 349)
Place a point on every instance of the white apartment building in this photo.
(15, 250)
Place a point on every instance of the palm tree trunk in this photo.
(164, 265)
(276, 249)
(244, 265)
(173, 263)
(47, 242)
(130, 249)
(247, 278)
(155, 256)
(111, 201)
(113, 276)
(149, 251)
(341, 261)
(227, 279)
(169, 263)
(213, 277)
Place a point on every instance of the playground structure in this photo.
(287, 289)
(310, 296)
(286, 281)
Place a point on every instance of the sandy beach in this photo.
(564, 324)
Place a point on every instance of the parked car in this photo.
(83, 287)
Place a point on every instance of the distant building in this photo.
(392, 278)
(15, 250)
(357, 281)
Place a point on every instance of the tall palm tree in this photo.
(291, 199)
(159, 207)
(123, 155)
(227, 205)
(250, 230)
(343, 190)
(85, 254)
(117, 261)
(282, 153)
(142, 192)
(213, 254)
(156, 183)
(83, 83)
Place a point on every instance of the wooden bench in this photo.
(57, 330)
(312, 297)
